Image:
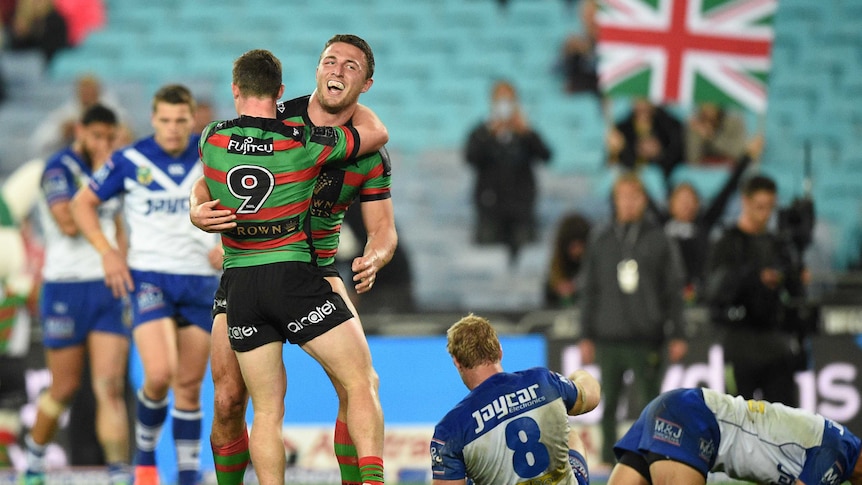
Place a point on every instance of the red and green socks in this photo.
(231, 460)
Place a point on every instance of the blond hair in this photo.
(472, 341)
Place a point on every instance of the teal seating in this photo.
(436, 60)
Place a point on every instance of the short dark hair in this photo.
(174, 94)
(759, 183)
(99, 114)
(360, 44)
(257, 73)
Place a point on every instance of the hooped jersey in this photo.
(367, 177)
(511, 429)
(71, 258)
(772, 443)
(156, 188)
(265, 170)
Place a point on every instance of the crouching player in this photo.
(512, 428)
(684, 434)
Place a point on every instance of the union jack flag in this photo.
(683, 51)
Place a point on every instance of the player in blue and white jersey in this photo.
(79, 315)
(512, 428)
(171, 275)
(684, 434)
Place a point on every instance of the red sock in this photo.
(231, 460)
(345, 452)
(371, 468)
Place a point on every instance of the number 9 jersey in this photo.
(511, 429)
(265, 170)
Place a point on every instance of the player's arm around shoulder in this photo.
(589, 392)
(203, 211)
(372, 132)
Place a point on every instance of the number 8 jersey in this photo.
(513, 428)
(265, 170)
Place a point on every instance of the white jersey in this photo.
(71, 258)
(755, 435)
(156, 206)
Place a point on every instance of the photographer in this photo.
(754, 285)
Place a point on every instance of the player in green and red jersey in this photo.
(274, 294)
(349, 61)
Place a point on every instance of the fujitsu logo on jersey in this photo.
(249, 145)
(315, 316)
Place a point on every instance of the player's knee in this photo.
(63, 390)
(158, 380)
(228, 405)
(108, 387)
(50, 406)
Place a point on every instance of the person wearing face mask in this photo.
(504, 150)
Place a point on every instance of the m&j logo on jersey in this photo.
(144, 176)
(150, 297)
(249, 145)
(667, 432)
(832, 476)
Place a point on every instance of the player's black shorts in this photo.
(278, 302)
(220, 299)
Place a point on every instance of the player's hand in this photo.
(365, 270)
(117, 275)
(207, 218)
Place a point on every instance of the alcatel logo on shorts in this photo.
(239, 333)
(315, 316)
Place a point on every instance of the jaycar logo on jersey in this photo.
(667, 432)
(249, 145)
(315, 316)
(507, 404)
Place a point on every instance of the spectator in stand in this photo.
(715, 136)
(504, 150)
(562, 287)
(631, 307)
(37, 24)
(578, 58)
(57, 130)
(690, 224)
(753, 277)
(649, 135)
